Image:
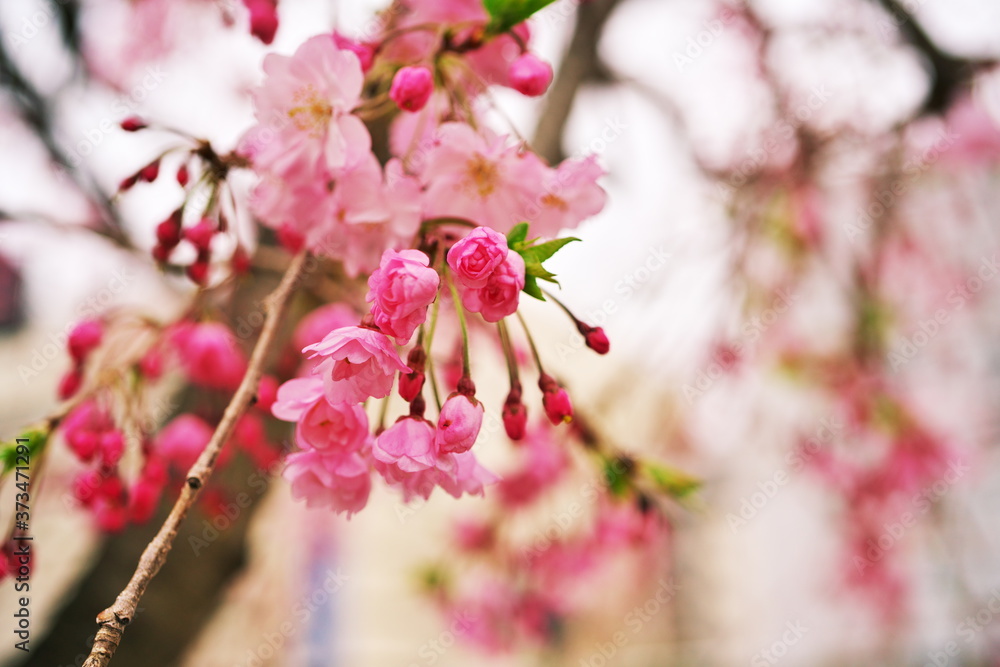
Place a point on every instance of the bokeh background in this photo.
(797, 191)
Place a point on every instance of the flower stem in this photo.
(508, 352)
(466, 367)
(429, 363)
(531, 342)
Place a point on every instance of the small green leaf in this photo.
(617, 480)
(531, 288)
(517, 235)
(505, 14)
(543, 251)
(671, 481)
(9, 450)
(538, 271)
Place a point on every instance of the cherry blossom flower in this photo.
(530, 75)
(500, 296)
(458, 424)
(341, 484)
(358, 363)
(400, 291)
(475, 257)
(412, 87)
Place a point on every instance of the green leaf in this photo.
(505, 14)
(531, 288)
(9, 450)
(517, 235)
(538, 271)
(618, 481)
(671, 481)
(543, 251)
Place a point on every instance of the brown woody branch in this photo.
(115, 618)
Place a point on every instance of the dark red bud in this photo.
(133, 124)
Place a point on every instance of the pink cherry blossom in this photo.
(400, 291)
(209, 355)
(295, 397)
(341, 484)
(364, 52)
(263, 19)
(458, 424)
(500, 296)
(412, 87)
(477, 176)
(530, 75)
(563, 197)
(332, 428)
(305, 126)
(463, 474)
(358, 363)
(407, 446)
(474, 258)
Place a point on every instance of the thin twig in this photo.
(114, 619)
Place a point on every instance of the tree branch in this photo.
(115, 618)
(580, 63)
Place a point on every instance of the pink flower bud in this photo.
(111, 516)
(263, 19)
(70, 384)
(412, 87)
(529, 75)
(596, 339)
(150, 171)
(143, 498)
(412, 383)
(127, 183)
(364, 52)
(459, 423)
(201, 234)
(555, 400)
(111, 446)
(133, 124)
(515, 415)
(198, 272)
(168, 232)
(267, 392)
(84, 337)
(151, 365)
(183, 176)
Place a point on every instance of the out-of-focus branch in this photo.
(36, 112)
(580, 63)
(115, 618)
(948, 73)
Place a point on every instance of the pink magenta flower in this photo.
(555, 400)
(400, 291)
(84, 337)
(458, 424)
(182, 440)
(333, 428)
(530, 75)
(295, 397)
(263, 19)
(464, 474)
(479, 177)
(407, 446)
(563, 197)
(209, 355)
(84, 428)
(304, 123)
(474, 258)
(341, 484)
(357, 363)
(364, 52)
(412, 87)
(500, 296)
